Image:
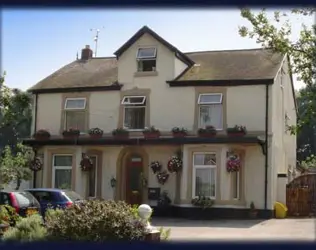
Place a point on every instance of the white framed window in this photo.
(236, 185)
(204, 175)
(75, 113)
(134, 112)
(211, 110)
(62, 171)
(75, 103)
(92, 177)
(146, 59)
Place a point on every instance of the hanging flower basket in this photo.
(151, 133)
(120, 133)
(179, 132)
(209, 131)
(95, 133)
(86, 163)
(237, 130)
(233, 163)
(162, 177)
(174, 164)
(36, 164)
(155, 166)
(71, 133)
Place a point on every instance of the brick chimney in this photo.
(86, 53)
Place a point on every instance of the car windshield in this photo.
(73, 196)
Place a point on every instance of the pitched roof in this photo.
(250, 64)
(145, 29)
(96, 72)
(253, 64)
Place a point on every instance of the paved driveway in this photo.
(285, 229)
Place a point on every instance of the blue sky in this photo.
(35, 43)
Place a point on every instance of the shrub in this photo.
(8, 214)
(27, 229)
(95, 221)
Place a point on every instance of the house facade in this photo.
(149, 82)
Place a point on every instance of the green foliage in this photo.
(164, 233)
(28, 229)
(95, 221)
(12, 216)
(277, 35)
(14, 167)
(309, 162)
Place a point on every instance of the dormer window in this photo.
(146, 59)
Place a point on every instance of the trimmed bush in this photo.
(95, 221)
(27, 229)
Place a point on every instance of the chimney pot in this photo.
(86, 53)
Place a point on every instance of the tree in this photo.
(15, 124)
(15, 114)
(14, 166)
(302, 52)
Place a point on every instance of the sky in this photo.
(35, 43)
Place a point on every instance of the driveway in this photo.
(282, 229)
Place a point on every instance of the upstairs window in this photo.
(75, 113)
(146, 59)
(211, 110)
(134, 112)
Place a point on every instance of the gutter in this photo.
(35, 128)
(266, 149)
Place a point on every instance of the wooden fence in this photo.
(301, 196)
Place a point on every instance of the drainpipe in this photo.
(35, 128)
(266, 149)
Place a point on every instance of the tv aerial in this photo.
(96, 39)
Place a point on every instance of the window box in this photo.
(179, 132)
(151, 133)
(120, 133)
(42, 135)
(237, 130)
(95, 133)
(71, 133)
(209, 131)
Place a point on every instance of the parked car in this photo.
(55, 198)
(23, 201)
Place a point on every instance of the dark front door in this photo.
(134, 168)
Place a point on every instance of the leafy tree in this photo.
(14, 166)
(276, 35)
(15, 114)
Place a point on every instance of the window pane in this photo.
(75, 119)
(63, 178)
(62, 160)
(75, 103)
(146, 52)
(204, 159)
(205, 182)
(235, 184)
(135, 100)
(92, 177)
(210, 98)
(134, 118)
(147, 65)
(211, 115)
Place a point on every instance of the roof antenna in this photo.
(77, 56)
(96, 38)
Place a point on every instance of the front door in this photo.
(134, 168)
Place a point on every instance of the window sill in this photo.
(146, 73)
